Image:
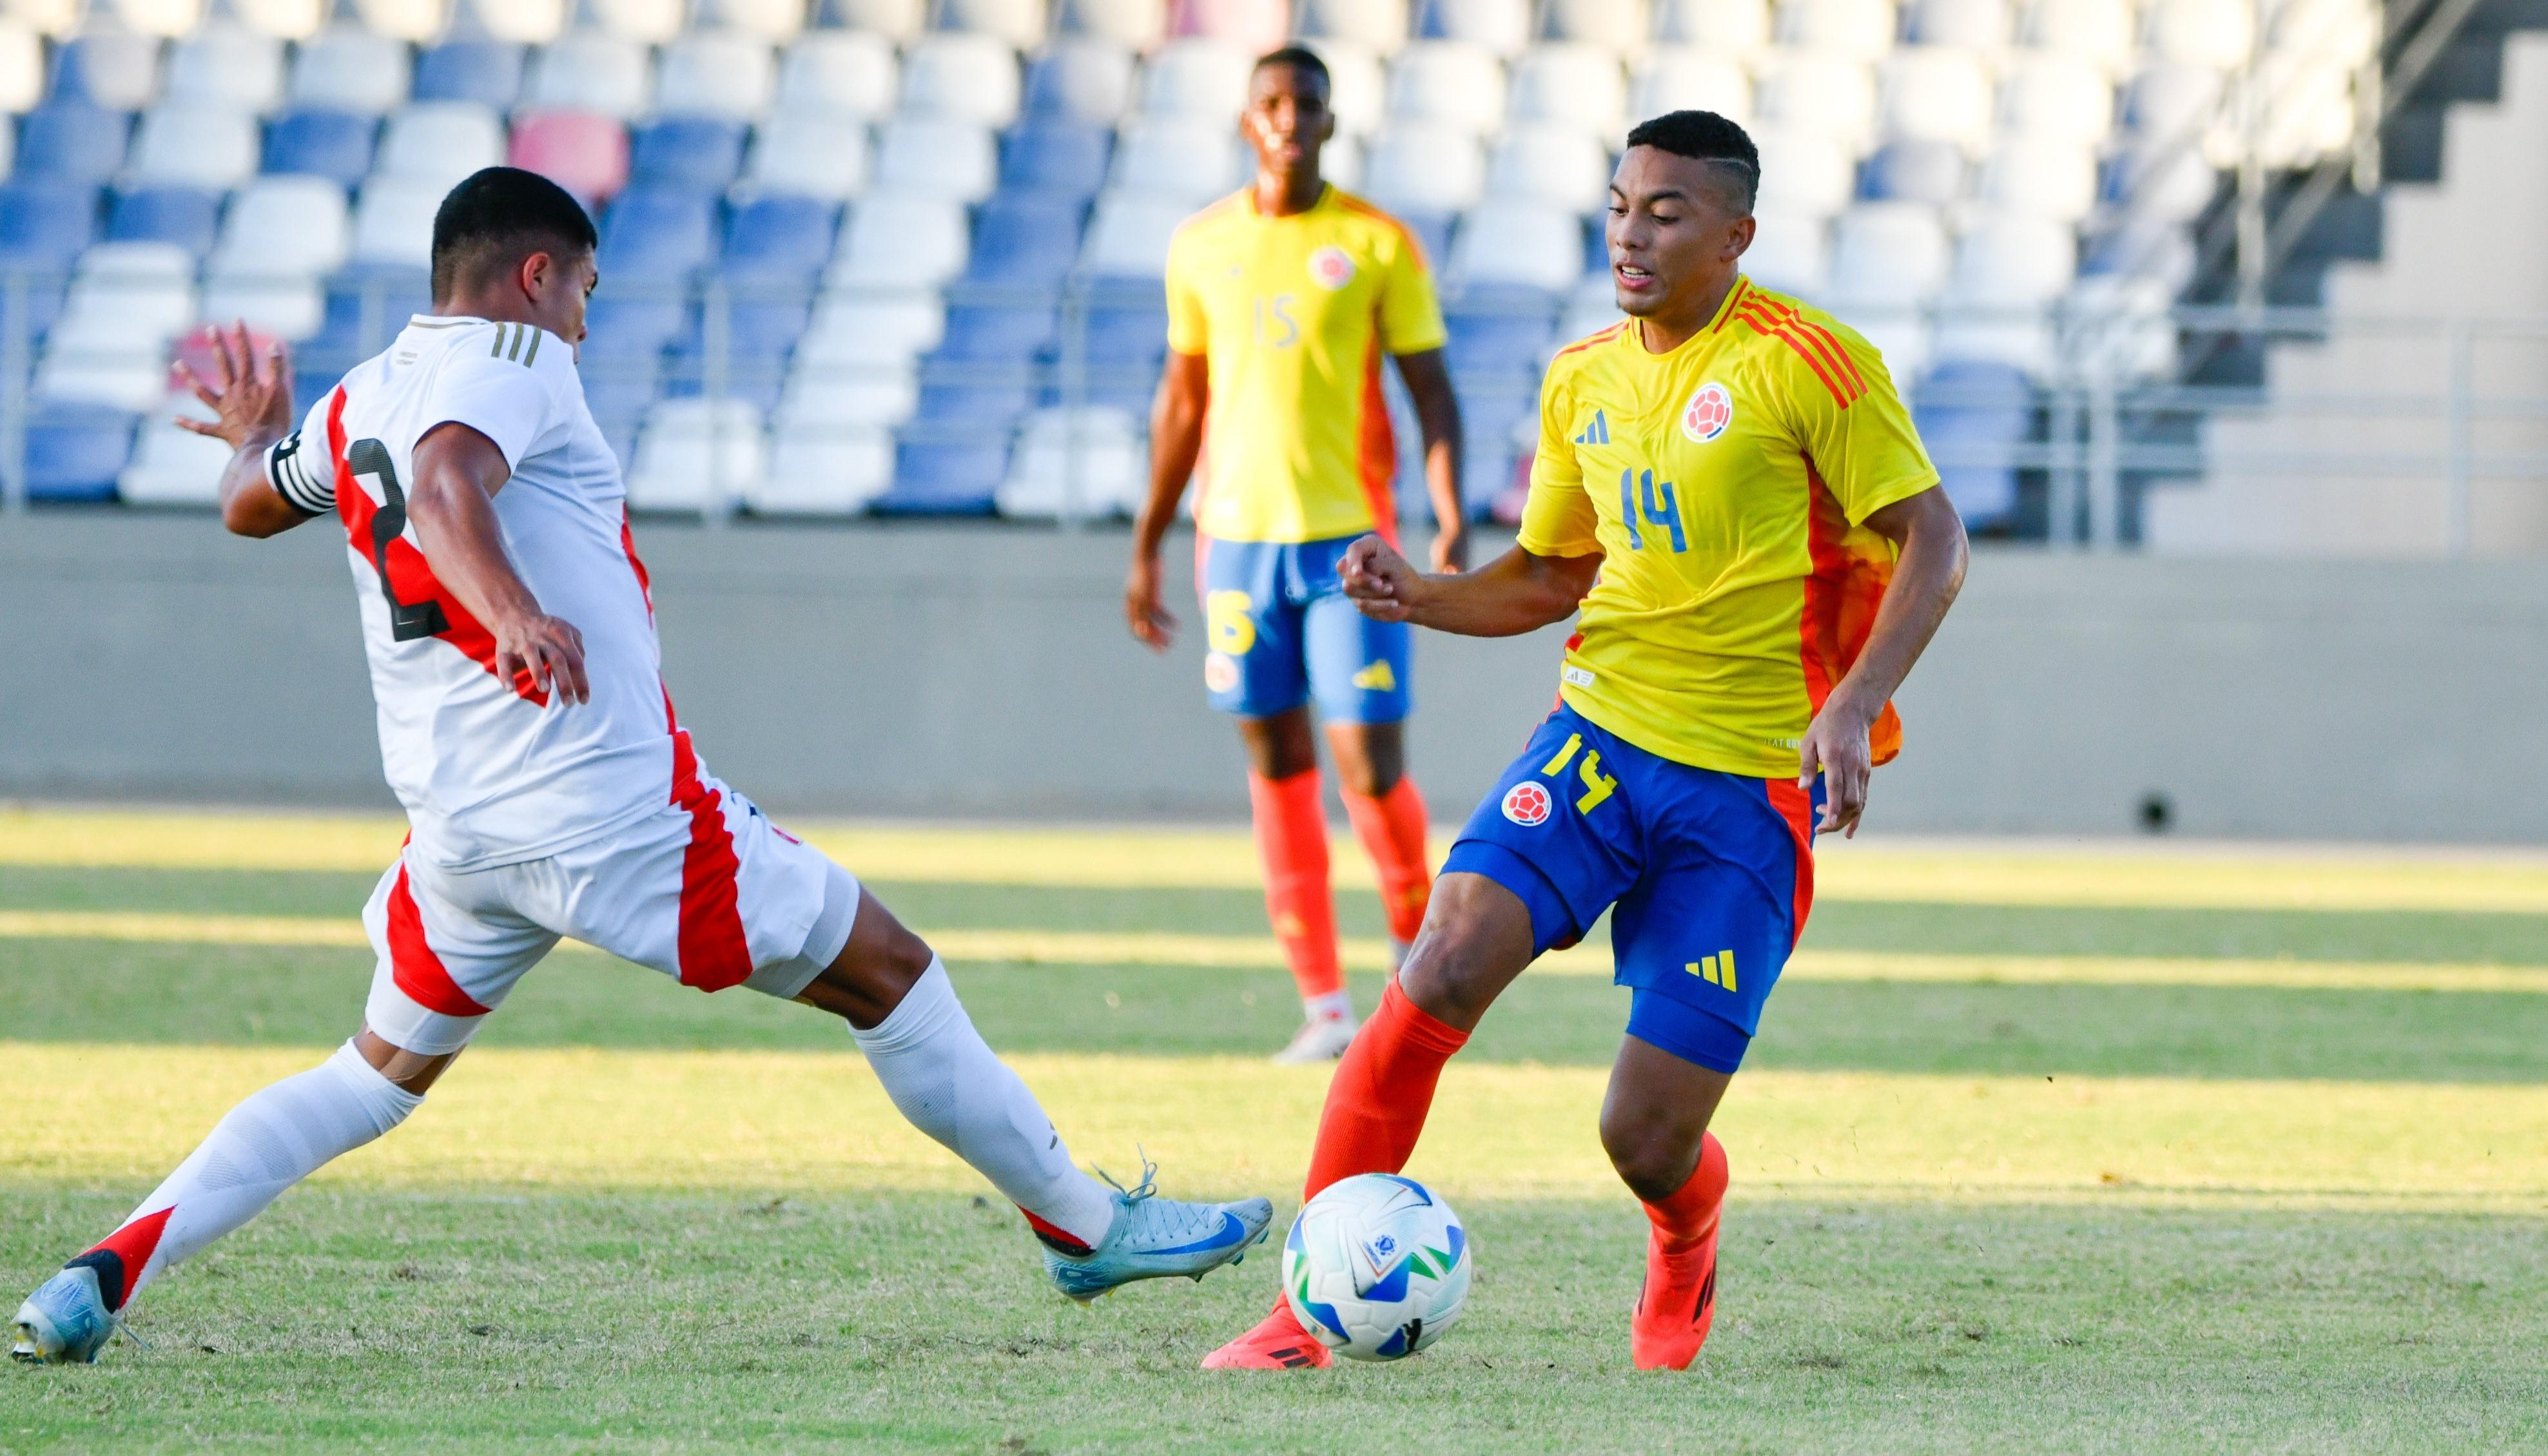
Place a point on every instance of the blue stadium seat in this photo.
(780, 240)
(333, 145)
(45, 221)
(1026, 240)
(74, 452)
(760, 335)
(1119, 335)
(658, 234)
(1434, 231)
(185, 215)
(1972, 415)
(700, 152)
(392, 293)
(1058, 157)
(72, 140)
(489, 73)
(1499, 328)
(947, 478)
(999, 333)
(1914, 169)
(618, 327)
(966, 399)
(619, 390)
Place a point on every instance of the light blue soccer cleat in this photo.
(64, 1321)
(1153, 1238)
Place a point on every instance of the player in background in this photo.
(550, 791)
(1282, 299)
(1726, 482)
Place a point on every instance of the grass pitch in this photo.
(2138, 1152)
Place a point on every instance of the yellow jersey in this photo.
(1292, 315)
(1723, 484)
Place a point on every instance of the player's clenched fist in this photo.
(548, 649)
(1378, 579)
(1153, 625)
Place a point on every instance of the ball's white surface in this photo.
(1377, 1266)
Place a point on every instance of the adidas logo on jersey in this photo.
(1598, 432)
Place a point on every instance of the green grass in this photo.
(487, 1319)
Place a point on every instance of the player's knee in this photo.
(1467, 951)
(1649, 1149)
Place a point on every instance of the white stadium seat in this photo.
(1085, 462)
(1887, 254)
(716, 73)
(2009, 258)
(2308, 103)
(1426, 167)
(1805, 172)
(76, 371)
(2098, 32)
(1499, 26)
(1620, 27)
(1573, 83)
(2169, 183)
(1937, 93)
(894, 20)
(269, 302)
(2040, 177)
(118, 70)
(193, 145)
(285, 19)
(776, 21)
(1189, 161)
(159, 17)
(810, 155)
(440, 141)
(836, 472)
(404, 19)
(2056, 97)
(1823, 93)
(1086, 79)
(1341, 161)
(1450, 82)
(1128, 236)
(853, 330)
(1862, 29)
(22, 66)
(171, 465)
(938, 156)
(698, 455)
(344, 68)
(140, 290)
(839, 72)
(227, 65)
(1358, 89)
(2167, 103)
(1196, 79)
(1789, 251)
(286, 226)
(901, 239)
(1553, 167)
(2200, 33)
(1970, 24)
(1688, 78)
(590, 71)
(2122, 327)
(652, 22)
(820, 402)
(1733, 28)
(966, 78)
(521, 22)
(394, 220)
(1511, 241)
(1018, 23)
(1133, 25)
(1373, 24)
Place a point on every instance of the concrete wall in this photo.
(984, 670)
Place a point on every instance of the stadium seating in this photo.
(918, 242)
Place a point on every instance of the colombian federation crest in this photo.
(1330, 269)
(1707, 415)
(1527, 803)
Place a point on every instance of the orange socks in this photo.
(1686, 1221)
(1382, 1090)
(1392, 830)
(1292, 841)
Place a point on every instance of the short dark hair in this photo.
(1704, 136)
(498, 214)
(1299, 58)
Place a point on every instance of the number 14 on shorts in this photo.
(1597, 786)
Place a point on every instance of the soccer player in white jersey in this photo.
(550, 791)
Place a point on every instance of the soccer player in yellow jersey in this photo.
(1729, 488)
(1282, 299)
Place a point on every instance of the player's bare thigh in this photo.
(1369, 757)
(1476, 939)
(1657, 1108)
(874, 970)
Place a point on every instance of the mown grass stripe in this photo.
(89, 1113)
(1934, 873)
(1241, 952)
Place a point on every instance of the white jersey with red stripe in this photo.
(493, 771)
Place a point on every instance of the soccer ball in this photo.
(1376, 1267)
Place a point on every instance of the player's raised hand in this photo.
(1153, 625)
(1379, 579)
(1835, 745)
(547, 649)
(249, 405)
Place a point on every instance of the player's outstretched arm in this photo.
(452, 506)
(251, 412)
(1438, 415)
(1516, 593)
(1926, 579)
(1176, 438)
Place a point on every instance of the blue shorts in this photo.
(1282, 633)
(1708, 875)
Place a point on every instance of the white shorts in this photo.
(706, 891)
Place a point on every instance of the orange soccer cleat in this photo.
(1278, 1343)
(1678, 1301)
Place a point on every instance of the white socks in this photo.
(945, 1079)
(1334, 1006)
(268, 1142)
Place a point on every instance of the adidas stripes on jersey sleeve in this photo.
(511, 388)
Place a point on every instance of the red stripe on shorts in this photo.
(713, 951)
(414, 965)
(1796, 807)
